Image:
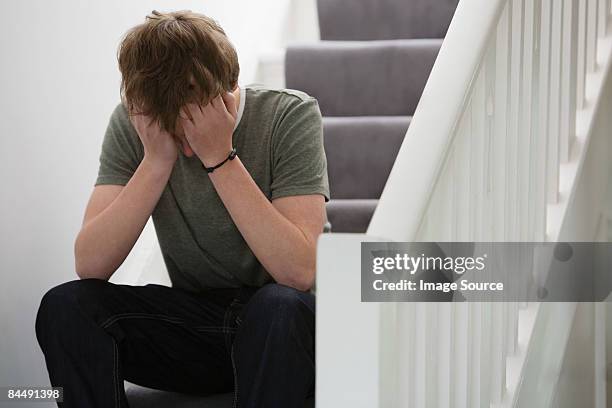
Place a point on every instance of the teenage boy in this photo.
(235, 179)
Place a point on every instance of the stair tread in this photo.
(380, 78)
(350, 215)
(356, 20)
(370, 119)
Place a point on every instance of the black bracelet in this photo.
(231, 156)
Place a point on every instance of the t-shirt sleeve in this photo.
(122, 150)
(299, 164)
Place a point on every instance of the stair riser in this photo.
(350, 216)
(360, 154)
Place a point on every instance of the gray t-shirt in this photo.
(279, 139)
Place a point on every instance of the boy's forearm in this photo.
(278, 244)
(105, 241)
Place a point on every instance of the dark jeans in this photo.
(256, 342)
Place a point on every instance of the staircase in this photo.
(510, 141)
(367, 73)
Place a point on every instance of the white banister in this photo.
(510, 142)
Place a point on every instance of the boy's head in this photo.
(172, 59)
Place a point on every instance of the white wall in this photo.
(58, 84)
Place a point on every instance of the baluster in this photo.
(543, 119)
(420, 366)
(536, 217)
(554, 102)
(591, 58)
(476, 336)
(498, 351)
(599, 354)
(514, 118)
(431, 386)
(392, 345)
(568, 78)
(582, 54)
(445, 347)
(478, 176)
(440, 212)
(460, 355)
(602, 22)
(407, 368)
(485, 360)
(490, 72)
(462, 179)
(512, 328)
(525, 136)
(500, 119)
(448, 198)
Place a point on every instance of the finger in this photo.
(220, 104)
(213, 102)
(229, 101)
(187, 125)
(195, 112)
(210, 106)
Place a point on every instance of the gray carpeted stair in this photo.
(368, 74)
(355, 170)
(362, 78)
(142, 397)
(351, 20)
(350, 215)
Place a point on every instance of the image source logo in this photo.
(485, 271)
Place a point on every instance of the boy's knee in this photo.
(279, 301)
(60, 303)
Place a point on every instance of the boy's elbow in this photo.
(302, 279)
(86, 268)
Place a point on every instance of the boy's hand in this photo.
(209, 128)
(159, 146)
